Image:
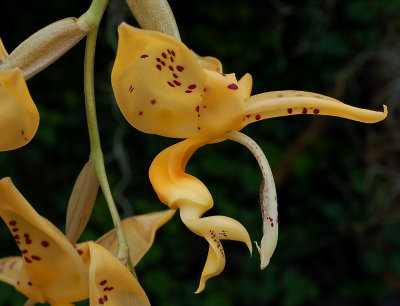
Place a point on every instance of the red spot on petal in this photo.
(171, 68)
(258, 117)
(144, 56)
(140, 113)
(175, 75)
(177, 83)
(170, 84)
(193, 86)
(108, 288)
(204, 106)
(153, 101)
(13, 222)
(272, 224)
(45, 244)
(16, 237)
(103, 282)
(304, 110)
(173, 53)
(290, 110)
(316, 111)
(158, 67)
(188, 91)
(180, 68)
(198, 128)
(22, 132)
(233, 86)
(171, 58)
(101, 301)
(105, 298)
(248, 115)
(29, 283)
(15, 229)
(27, 260)
(158, 59)
(24, 251)
(223, 74)
(37, 258)
(164, 55)
(169, 51)
(28, 241)
(80, 252)
(197, 108)
(163, 63)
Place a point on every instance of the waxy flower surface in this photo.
(163, 88)
(19, 117)
(52, 269)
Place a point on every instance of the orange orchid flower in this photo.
(163, 88)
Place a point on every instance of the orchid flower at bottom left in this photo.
(51, 269)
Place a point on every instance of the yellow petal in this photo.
(110, 282)
(19, 118)
(51, 264)
(140, 232)
(81, 201)
(3, 52)
(178, 189)
(157, 83)
(209, 63)
(9, 269)
(292, 102)
(222, 107)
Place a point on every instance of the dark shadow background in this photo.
(338, 181)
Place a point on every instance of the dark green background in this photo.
(338, 181)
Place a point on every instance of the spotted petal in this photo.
(291, 102)
(19, 118)
(52, 269)
(9, 269)
(110, 282)
(178, 189)
(157, 82)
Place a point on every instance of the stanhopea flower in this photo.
(19, 117)
(163, 88)
(52, 269)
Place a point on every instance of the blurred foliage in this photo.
(338, 181)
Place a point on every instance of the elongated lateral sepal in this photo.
(292, 102)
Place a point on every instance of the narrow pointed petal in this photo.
(19, 117)
(9, 269)
(209, 63)
(81, 201)
(291, 102)
(110, 282)
(140, 232)
(52, 269)
(268, 199)
(3, 52)
(178, 189)
(245, 85)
